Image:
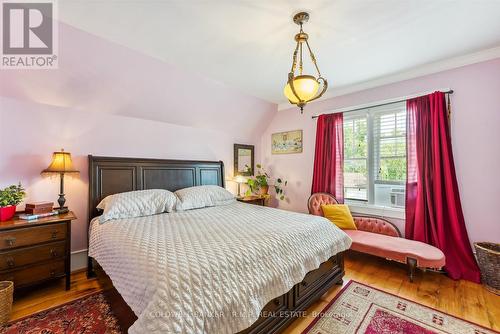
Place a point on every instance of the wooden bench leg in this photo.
(412, 265)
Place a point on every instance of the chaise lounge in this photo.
(379, 237)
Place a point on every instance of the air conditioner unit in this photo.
(397, 198)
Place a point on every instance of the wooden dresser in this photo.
(35, 251)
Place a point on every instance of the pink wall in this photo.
(96, 75)
(475, 139)
(106, 99)
(26, 148)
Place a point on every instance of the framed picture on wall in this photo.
(243, 159)
(286, 142)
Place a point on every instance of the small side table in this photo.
(36, 251)
(256, 200)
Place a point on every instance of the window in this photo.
(356, 158)
(375, 155)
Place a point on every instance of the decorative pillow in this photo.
(202, 196)
(340, 215)
(137, 204)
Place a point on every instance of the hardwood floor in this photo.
(53, 294)
(459, 298)
(462, 299)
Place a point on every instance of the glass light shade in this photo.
(61, 163)
(306, 87)
(240, 179)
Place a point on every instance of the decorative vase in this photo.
(7, 212)
(263, 190)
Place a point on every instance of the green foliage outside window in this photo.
(391, 150)
(355, 139)
(392, 169)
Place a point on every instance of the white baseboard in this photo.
(78, 260)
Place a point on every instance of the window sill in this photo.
(369, 209)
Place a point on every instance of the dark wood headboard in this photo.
(111, 175)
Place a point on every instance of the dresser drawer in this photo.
(314, 280)
(275, 309)
(34, 274)
(28, 236)
(29, 255)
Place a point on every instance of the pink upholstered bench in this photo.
(379, 237)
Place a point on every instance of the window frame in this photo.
(353, 116)
(368, 206)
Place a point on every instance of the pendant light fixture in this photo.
(303, 88)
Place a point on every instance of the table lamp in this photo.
(239, 179)
(61, 164)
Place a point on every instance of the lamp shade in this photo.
(306, 87)
(61, 163)
(240, 179)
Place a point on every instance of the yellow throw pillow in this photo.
(340, 215)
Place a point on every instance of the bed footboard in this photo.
(282, 311)
(275, 316)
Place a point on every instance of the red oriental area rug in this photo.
(358, 308)
(361, 309)
(90, 314)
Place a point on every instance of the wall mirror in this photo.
(243, 157)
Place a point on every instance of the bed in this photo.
(224, 269)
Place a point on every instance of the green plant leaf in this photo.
(12, 195)
(263, 179)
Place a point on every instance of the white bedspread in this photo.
(210, 270)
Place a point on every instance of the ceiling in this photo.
(248, 44)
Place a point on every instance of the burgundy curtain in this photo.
(433, 210)
(329, 156)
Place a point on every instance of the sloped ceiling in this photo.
(221, 65)
(248, 43)
(96, 75)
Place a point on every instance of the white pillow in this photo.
(137, 204)
(202, 196)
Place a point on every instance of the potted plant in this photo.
(260, 183)
(9, 198)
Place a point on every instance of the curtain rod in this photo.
(450, 91)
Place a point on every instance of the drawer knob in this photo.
(53, 252)
(54, 234)
(11, 241)
(10, 262)
(52, 273)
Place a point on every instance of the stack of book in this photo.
(37, 208)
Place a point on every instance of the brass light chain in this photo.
(301, 67)
(300, 38)
(313, 58)
(294, 59)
